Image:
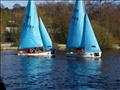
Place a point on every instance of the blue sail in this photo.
(76, 26)
(90, 41)
(47, 42)
(30, 35)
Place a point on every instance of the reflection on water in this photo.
(60, 73)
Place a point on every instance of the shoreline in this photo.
(9, 48)
(61, 47)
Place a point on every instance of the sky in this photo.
(10, 3)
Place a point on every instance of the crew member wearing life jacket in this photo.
(79, 50)
(30, 50)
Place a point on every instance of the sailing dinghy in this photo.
(34, 39)
(81, 38)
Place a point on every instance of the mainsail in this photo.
(30, 35)
(76, 26)
(47, 42)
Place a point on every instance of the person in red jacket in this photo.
(30, 50)
(79, 50)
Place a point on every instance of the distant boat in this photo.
(34, 39)
(81, 38)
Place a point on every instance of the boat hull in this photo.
(36, 54)
(84, 54)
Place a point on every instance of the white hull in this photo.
(84, 54)
(36, 54)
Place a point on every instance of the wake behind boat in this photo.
(81, 38)
(34, 39)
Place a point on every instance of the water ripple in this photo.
(60, 73)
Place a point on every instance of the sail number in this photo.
(26, 23)
(93, 46)
(74, 17)
(28, 26)
(76, 10)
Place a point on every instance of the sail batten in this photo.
(30, 36)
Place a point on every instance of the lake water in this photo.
(60, 72)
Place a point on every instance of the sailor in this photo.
(40, 49)
(79, 50)
(34, 50)
(30, 50)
